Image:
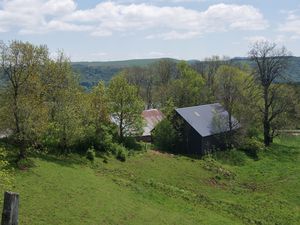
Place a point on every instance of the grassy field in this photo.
(156, 188)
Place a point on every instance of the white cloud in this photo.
(35, 16)
(278, 39)
(253, 39)
(56, 7)
(174, 35)
(108, 18)
(292, 23)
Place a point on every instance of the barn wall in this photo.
(193, 141)
(213, 142)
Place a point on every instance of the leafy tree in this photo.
(286, 104)
(143, 79)
(96, 116)
(22, 65)
(233, 88)
(164, 71)
(270, 65)
(66, 103)
(99, 106)
(126, 106)
(187, 89)
(164, 135)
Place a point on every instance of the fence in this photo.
(10, 209)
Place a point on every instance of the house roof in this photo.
(207, 119)
(152, 117)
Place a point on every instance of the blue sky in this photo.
(90, 30)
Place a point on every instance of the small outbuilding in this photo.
(151, 118)
(204, 126)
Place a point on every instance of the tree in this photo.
(126, 106)
(270, 63)
(165, 72)
(99, 104)
(22, 65)
(164, 136)
(66, 102)
(187, 89)
(232, 91)
(143, 79)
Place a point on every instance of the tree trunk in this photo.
(266, 122)
(121, 127)
(20, 139)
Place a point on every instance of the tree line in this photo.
(252, 94)
(44, 108)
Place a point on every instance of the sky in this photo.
(94, 30)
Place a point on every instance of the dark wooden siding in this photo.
(193, 141)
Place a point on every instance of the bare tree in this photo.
(270, 63)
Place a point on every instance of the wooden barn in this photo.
(151, 118)
(203, 127)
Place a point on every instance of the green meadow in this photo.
(159, 188)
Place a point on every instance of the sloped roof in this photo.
(152, 117)
(207, 119)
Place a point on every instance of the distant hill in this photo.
(292, 73)
(91, 73)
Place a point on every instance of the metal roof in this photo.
(207, 119)
(152, 117)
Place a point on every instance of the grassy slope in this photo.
(153, 188)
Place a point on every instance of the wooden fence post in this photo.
(10, 209)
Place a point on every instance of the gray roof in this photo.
(207, 119)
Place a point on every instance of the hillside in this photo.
(158, 188)
(92, 72)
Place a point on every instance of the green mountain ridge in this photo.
(91, 73)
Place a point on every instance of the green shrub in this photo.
(132, 143)
(24, 164)
(164, 135)
(253, 132)
(231, 157)
(105, 158)
(91, 154)
(121, 153)
(252, 147)
(5, 174)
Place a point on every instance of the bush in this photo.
(105, 158)
(231, 157)
(91, 154)
(132, 143)
(121, 153)
(164, 135)
(252, 147)
(5, 174)
(24, 164)
(252, 132)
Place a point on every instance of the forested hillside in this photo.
(91, 73)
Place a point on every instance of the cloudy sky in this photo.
(94, 30)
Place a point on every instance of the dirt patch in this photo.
(156, 152)
(215, 182)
